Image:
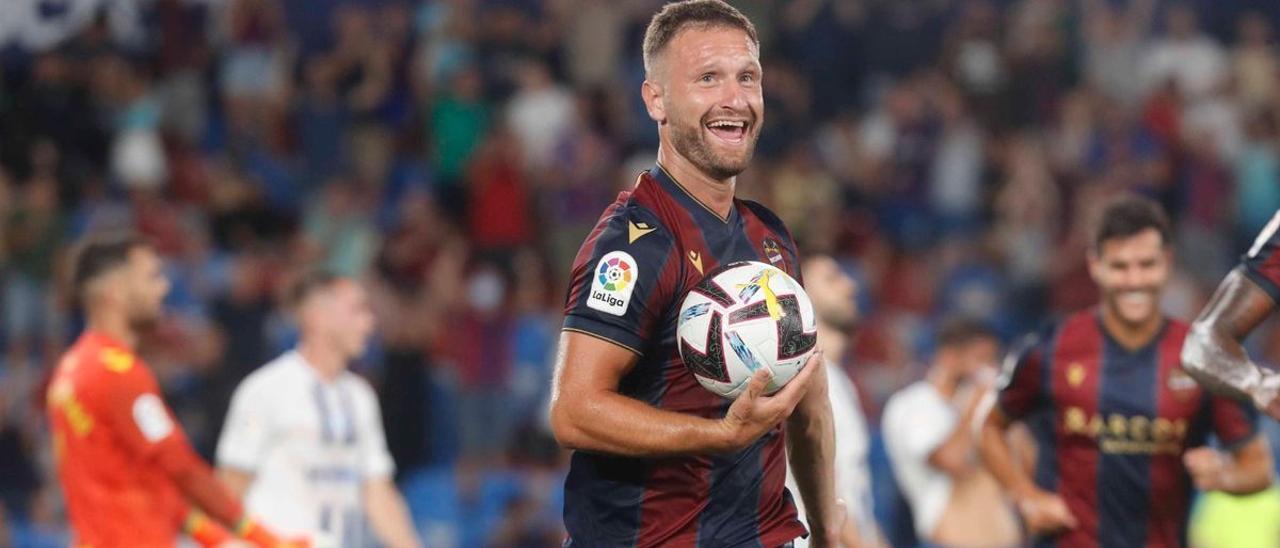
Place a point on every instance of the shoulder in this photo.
(360, 388)
(277, 374)
(768, 217)
(909, 399)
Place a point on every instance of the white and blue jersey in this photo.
(310, 444)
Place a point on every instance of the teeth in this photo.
(727, 124)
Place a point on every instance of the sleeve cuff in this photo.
(604, 331)
(1263, 282)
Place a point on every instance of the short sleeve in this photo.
(130, 403)
(1020, 384)
(917, 421)
(375, 459)
(246, 434)
(1234, 423)
(623, 279)
(1262, 262)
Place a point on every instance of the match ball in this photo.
(742, 317)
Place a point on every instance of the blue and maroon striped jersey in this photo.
(649, 248)
(1111, 425)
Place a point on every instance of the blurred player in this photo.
(833, 294)
(930, 432)
(659, 460)
(1214, 352)
(1119, 425)
(129, 475)
(303, 441)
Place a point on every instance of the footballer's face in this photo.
(707, 98)
(1131, 272)
(144, 287)
(348, 319)
(832, 292)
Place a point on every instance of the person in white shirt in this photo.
(930, 432)
(832, 292)
(303, 441)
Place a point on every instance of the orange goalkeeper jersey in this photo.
(111, 435)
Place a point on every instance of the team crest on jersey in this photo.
(614, 281)
(773, 251)
(1075, 374)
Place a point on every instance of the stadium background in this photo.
(454, 153)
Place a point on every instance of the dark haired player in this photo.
(1119, 426)
(129, 476)
(659, 460)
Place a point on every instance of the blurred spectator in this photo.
(1192, 61)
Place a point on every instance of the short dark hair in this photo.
(100, 253)
(961, 330)
(1129, 215)
(307, 284)
(676, 16)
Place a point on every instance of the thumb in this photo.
(1068, 518)
(758, 382)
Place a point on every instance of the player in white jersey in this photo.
(832, 292)
(303, 441)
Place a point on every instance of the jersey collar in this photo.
(673, 187)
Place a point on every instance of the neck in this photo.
(114, 326)
(716, 194)
(833, 341)
(1129, 335)
(325, 359)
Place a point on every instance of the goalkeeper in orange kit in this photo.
(129, 475)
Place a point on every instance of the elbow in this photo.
(563, 428)
(1196, 349)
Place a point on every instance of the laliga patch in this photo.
(151, 417)
(614, 280)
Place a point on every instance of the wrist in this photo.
(205, 531)
(725, 435)
(253, 532)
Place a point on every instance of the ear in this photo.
(651, 92)
(1095, 264)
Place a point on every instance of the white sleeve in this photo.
(918, 422)
(375, 460)
(246, 434)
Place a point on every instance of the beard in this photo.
(691, 142)
(143, 322)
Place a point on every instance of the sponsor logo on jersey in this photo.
(116, 360)
(635, 230)
(773, 251)
(614, 281)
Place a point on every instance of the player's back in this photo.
(115, 494)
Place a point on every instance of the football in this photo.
(741, 317)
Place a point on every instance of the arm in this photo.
(954, 455)
(1213, 352)
(388, 514)
(1242, 471)
(998, 458)
(811, 451)
(146, 428)
(236, 481)
(588, 413)
(1044, 512)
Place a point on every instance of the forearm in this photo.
(811, 452)
(1239, 480)
(997, 456)
(389, 515)
(608, 422)
(955, 454)
(195, 480)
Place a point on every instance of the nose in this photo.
(735, 98)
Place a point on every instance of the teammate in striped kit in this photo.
(1120, 427)
(659, 460)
